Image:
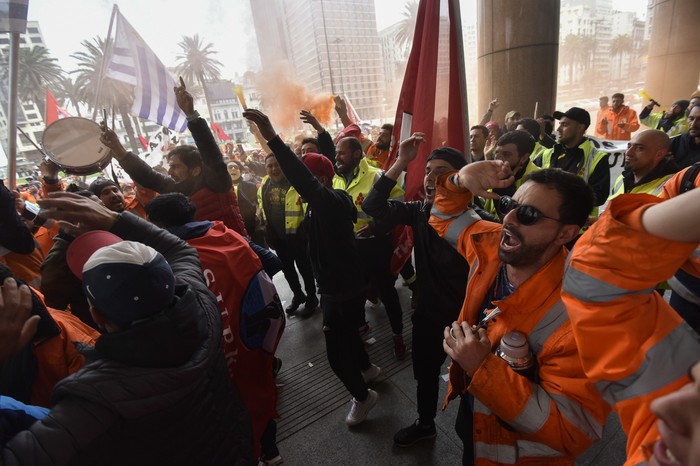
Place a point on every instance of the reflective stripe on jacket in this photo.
(294, 209)
(591, 158)
(633, 345)
(365, 177)
(552, 421)
(653, 187)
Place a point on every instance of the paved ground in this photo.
(313, 406)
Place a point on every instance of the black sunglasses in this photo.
(526, 214)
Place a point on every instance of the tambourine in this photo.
(74, 145)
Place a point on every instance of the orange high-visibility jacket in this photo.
(633, 345)
(552, 421)
(610, 130)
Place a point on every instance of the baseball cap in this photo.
(575, 113)
(319, 165)
(350, 131)
(125, 280)
(512, 114)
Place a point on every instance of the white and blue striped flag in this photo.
(133, 62)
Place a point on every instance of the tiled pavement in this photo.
(313, 404)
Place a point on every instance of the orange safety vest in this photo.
(553, 421)
(626, 115)
(57, 357)
(633, 345)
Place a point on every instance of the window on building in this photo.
(33, 30)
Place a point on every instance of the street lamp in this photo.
(337, 42)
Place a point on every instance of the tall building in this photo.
(332, 47)
(29, 117)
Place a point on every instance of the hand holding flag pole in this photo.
(184, 99)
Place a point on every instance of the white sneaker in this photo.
(360, 409)
(371, 373)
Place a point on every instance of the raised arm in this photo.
(293, 168)
(325, 142)
(489, 112)
(377, 203)
(215, 174)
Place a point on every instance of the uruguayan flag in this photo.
(133, 62)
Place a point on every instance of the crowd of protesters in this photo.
(140, 322)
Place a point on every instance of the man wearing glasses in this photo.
(554, 414)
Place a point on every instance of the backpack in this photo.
(688, 180)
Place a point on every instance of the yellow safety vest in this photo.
(679, 127)
(537, 152)
(591, 159)
(364, 178)
(653, 187)
(294, 209)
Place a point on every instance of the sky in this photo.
(227, 24)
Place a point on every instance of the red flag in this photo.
(219, 132)
(352, 113)
(53, 111)
(143, 142)
(434, 93)
(432, 89)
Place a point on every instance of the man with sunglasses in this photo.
(517, 267)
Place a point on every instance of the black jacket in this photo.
(329, 225)
(440, 270)
(14, 234)
(684, 150)
(156, 393)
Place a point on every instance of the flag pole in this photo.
(456, 20)
(12, 110)
(105, 60)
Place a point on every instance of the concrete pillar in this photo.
(517, 49)
(673, 68)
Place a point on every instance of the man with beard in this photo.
(378, 153)
(647, 165)
(686, 147)
(575, 153)
(197, 172)
(113, 198)
(619, 121)
(672, 122)
(552, 414)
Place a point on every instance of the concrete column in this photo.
(517, 49)
(673, 68)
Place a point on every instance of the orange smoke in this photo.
(283, 99)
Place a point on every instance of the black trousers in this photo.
(291, 249)
(428, 357)
(375, 254)
(344, 348)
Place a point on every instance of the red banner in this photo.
(432, 100)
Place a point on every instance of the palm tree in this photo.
(576, 52)
(620, 46)
(114, 94)
(37, 69)
(197, 64)
(407, 26)
(68, 90)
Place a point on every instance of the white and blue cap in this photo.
(126, 281)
